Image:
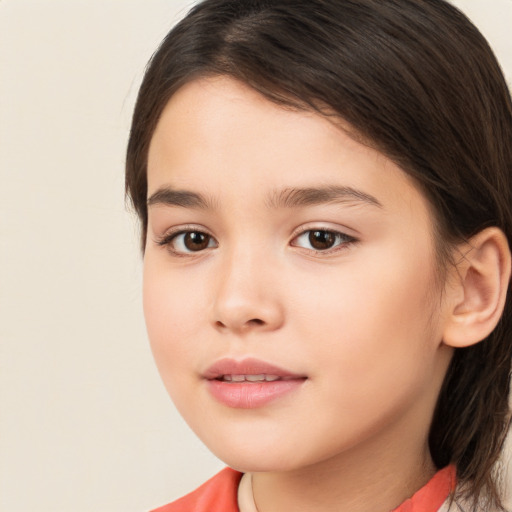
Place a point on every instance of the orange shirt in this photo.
(219, 494)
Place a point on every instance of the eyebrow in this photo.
(310, 196)
(184, 198)
(285, 198)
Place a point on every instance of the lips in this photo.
(249, 383)
(248, 368)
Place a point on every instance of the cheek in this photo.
(172, 310)
(371, 354)
(372, 326)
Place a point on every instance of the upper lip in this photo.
(249, 366)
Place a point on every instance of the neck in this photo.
(374, 478)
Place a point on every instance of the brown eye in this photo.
(196, 241)
(321, 240)
(187, 242)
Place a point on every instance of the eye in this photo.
(187, 242)
(321, 239)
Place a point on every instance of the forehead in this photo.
(214, 113)
(219, 136)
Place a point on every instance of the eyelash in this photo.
(342, 240)
(168, 239)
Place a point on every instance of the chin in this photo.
(260, 457)
(246, 456)
(245, 463)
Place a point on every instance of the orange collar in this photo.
(431, 496)
(220, 494)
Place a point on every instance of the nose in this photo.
(247, 295)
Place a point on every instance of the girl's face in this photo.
(289, 284)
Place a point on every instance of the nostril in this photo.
(253, 321)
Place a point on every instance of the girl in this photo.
(324, 189)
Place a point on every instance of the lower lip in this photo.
(250, 395)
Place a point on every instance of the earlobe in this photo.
(478, 291)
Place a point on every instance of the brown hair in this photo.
(417, 80)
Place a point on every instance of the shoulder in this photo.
(461, 504)
(219, 494)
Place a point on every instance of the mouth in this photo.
(249, 369)
(250, 383)
(252, 378)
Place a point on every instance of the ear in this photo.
(477, 290)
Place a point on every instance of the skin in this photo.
(363, 320)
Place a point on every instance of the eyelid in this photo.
(349, 239)
(325, 226)
(166, 239)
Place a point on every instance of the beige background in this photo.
(85, 424)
